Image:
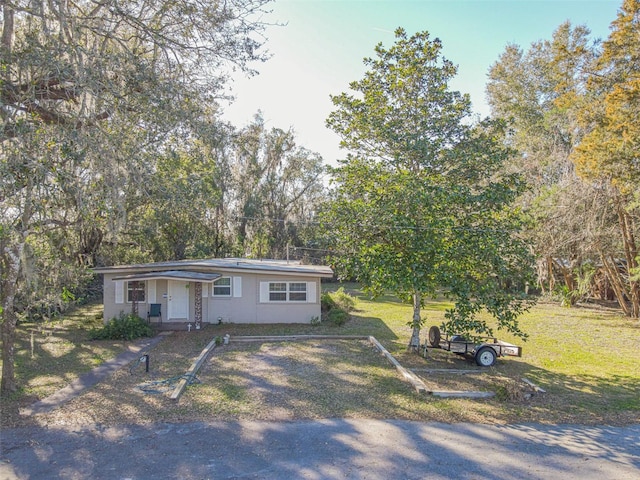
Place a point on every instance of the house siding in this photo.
(244, 309)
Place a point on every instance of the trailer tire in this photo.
(434, 336)
(486, 357)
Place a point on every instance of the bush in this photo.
(345, 301)
(125, 327)
(338, 299)
(336, 306)
(338, 317)
(327, 303)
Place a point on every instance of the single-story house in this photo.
(217, 290)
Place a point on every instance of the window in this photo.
(278, 292)
(287, 292)
(298, 292)
(135, 290)
(222, 287)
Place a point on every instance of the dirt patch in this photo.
(294, 380)
(280, 381)
(447, 372)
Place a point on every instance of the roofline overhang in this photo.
(172, 275)
(227, 267)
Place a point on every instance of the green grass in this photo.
(49, 355)
(587, 354)
(586, 358)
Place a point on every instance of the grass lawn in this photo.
(585, 358)
(50, 355)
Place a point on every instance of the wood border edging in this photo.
(411, 377)
(408, 375)
(195, 366)
(285, 338)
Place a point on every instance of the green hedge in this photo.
(336, 306)
(125, 327)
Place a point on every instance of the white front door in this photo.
(178, 300)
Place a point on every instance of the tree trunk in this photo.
(569, 280)
(10, 261)
(626, 290)
(550, 273)
(7, 30)
(612, 272)
(414, 343)
(631, 254)
(12, 245)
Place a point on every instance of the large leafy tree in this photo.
(422, 203)
(611, 148)
(572, 107)
(89, 93)
(277, 186)
(609, 154)
(179, 210)
(536, 91)
(178, 221)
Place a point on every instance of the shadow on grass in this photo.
(317, 380)
(320, 380)
(64, 352)
(306, 380)
(588, 398)
(357, 325)
(49, 356)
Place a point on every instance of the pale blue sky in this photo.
(321, 47)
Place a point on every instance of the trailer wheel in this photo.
(434, 336)
(486, 357)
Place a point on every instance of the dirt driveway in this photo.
(313, 409)
(317, 379)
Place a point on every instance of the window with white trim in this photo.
(222, 287)
(298, 291)
(287, 291)
(136, 289)
(278, 291)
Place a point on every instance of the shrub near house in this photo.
(336, 306)
(124, 327)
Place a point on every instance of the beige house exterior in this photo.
(220, 290)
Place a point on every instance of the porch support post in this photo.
(198, 304)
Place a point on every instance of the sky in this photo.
(317, 48)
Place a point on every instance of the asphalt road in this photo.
(327, 449)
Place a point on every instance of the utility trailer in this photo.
(485, 352)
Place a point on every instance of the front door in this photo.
(178, 300)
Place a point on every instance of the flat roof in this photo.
(223, 264)
(172, 275)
